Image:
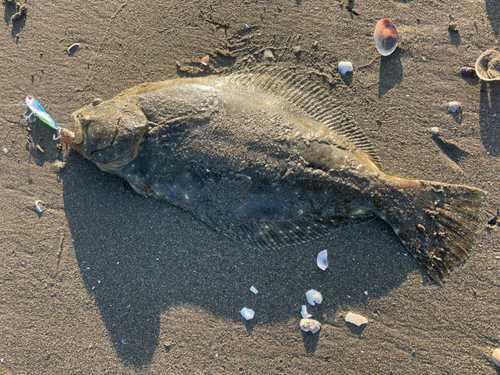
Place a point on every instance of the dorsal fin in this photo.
(308, 96)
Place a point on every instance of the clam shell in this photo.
(314, 297)
(386, 37)
(310, 325)
(496, 357)
(488, 66)
(322, 260)
(247, 313)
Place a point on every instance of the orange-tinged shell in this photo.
(205, 60)
(386, 37)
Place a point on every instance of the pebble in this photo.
(496, 357)
(310, 325)
(356, 319)
(454, 106)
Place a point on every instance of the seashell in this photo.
(356, 319)
(454, 106)
(344, 67)
(386, 37)
(205, 60)
(310, 325)
(323, 260)
(468, 72)
(434, 131)
(314, 297)
(496, 357)
(254, 290)
(247, 313)
(488, 66)
(268, 55)
(304, 312)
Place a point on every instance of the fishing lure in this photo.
(38, 111)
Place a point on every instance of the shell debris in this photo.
(468, 72)
(496, 357)
(205, 60)
(454, 106)
(386, 37)
(304, 312)
(434, 131)
(356, 319)
(322, 260)
(254, 290)
(488, 65)
(345, 67)
(247, 313)
(310, 325)
(268, 55)
(314, 297)
(37, 206)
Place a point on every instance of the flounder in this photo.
(268, 158)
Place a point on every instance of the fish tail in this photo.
(436, 222)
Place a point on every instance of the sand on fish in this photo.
(107, 281)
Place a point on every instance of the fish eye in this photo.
(84, 121)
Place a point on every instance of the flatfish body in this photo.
(268, 158)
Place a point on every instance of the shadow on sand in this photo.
(139, 256)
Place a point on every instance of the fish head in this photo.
(109, 133)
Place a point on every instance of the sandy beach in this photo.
(107, 281)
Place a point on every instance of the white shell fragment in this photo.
(496, 357)
(254, 291)
(344, 67)
(5, 150)
(314, 297)
(310, 325)
(322, 260)
(247, 313)
(356, 319)
(304, 312)
(434, 131)
(454, 106)
(38, 207)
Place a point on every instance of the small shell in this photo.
(488, 66)
(496, 357)
(454, 106)
(314, 297)
(310, 325)
(434, 131)
(38, 207)
(356, 319)
(468, 72)
(322, 260)
(304, 312)
(247, 313)
(254, 291)
(344, 67)
(386, 37)
(205, 60)
(268, 55)
(5, 151)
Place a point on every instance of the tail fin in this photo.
(436, 222)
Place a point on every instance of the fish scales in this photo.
(268, 158)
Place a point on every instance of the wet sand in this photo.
(107, 281)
